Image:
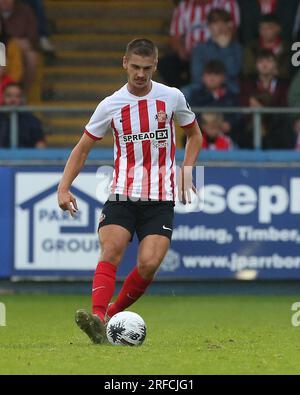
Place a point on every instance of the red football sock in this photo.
(103, 287)
(134, 286)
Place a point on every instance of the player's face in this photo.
(139, 71)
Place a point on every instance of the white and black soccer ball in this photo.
(126, 328)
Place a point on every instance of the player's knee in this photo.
(147, 265)
(111, 253)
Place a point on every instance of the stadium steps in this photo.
(90, 37)
(127, 26)
(100, 42)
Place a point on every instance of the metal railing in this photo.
(256, 112)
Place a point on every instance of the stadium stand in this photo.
(90, 38)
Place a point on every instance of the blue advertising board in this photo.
(6, 223)
(246, 227)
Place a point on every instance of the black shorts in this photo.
(144, 218)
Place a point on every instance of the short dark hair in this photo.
(269, 18)
(214, 67)
(141, 47)
(218, 14)
(265, 53)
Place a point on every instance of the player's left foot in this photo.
(91, 325)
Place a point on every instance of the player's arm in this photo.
(73, 166)
(192, 151)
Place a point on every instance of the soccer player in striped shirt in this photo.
(141, 117)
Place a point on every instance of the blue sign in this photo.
(247, 226)
(6, 222)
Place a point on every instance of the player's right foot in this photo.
(91, 325)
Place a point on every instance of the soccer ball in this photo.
(126, 328)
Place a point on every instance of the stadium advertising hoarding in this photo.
(247, 227)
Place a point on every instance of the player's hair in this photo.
(218, 14)
(141, 47)
(214, 67)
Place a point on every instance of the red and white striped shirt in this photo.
(190, 20)
(144, 136)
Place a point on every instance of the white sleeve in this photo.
(100, 122)
(184, 115)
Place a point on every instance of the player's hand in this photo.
(67, 202)
(186, 186)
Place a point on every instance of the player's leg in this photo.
(113, 241)
(115, 231)
(151, 253)
(154, 230)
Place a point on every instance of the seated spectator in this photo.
(213, 136)
(39, 10)
(19, 23)
(275, 128)
(269, 38)
(30, 130)
(253, 10)
(214, 93)
(189, 27)
(221, 46)
(265, 80)
(14, 61)
(294, 91)
(265, 89)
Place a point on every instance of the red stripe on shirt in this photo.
(172, 158)
(117, 160)
(92, 136)
(146, 146)
(126, 125)
(161, 106)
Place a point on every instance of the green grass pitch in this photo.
(186, 335)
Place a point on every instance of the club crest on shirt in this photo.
(161, 116)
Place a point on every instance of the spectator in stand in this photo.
(294, 91)
(269, 38)
(253, 10)
(189, 27)
(265, 89)
(19, 22)
(14, 61)
(214, 93)
(265, 80)
(30, 131)
(213, 136)
(39, 10)
(221, 46)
